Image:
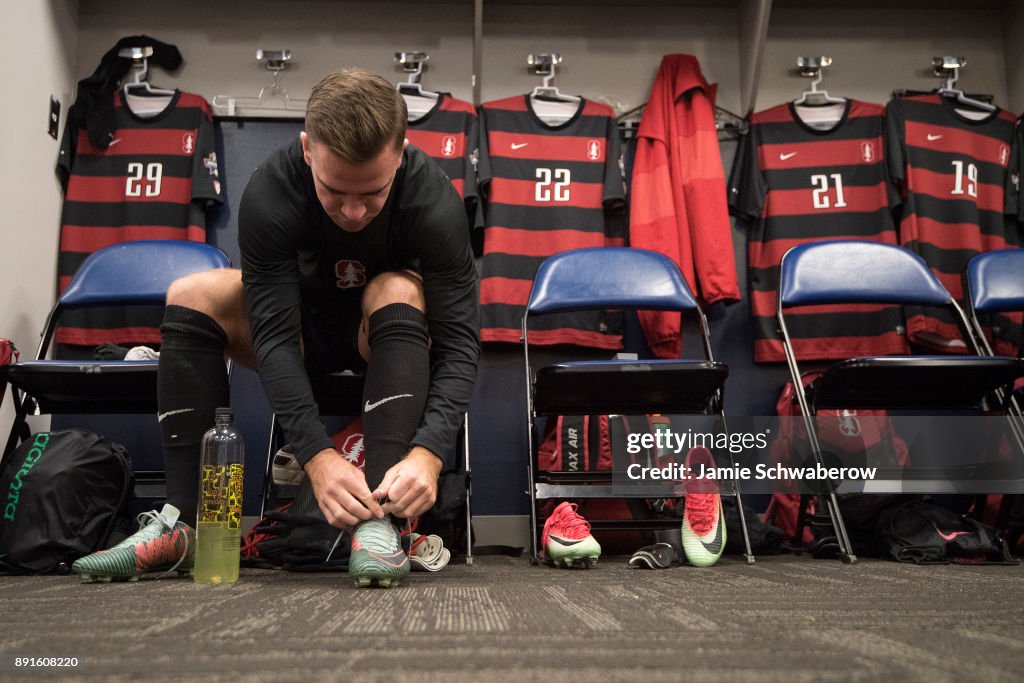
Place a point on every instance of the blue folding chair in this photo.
(626, 279)
(127, 274)
(993, 285)
(849, 271)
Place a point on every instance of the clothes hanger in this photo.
(140, 63)
(270, 98)
(548, 104)
(417, 100)
(815, 107)
(813, 96)
(951, 66)
(544, 64)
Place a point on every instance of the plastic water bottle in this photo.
(219, 530)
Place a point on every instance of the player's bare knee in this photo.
(399, 287)
(186, 291)
(214, 292)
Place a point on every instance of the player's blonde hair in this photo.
(357, 114)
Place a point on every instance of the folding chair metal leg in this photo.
(469, 491)
(748, 553)
(830, 500)
(845, 547)
(534, 555)
(268, 477)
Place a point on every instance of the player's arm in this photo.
(439, 239)
(270, 218)
(450, 285)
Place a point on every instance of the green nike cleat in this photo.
(377, 556)
(162, 544)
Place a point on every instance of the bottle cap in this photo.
(222, 411)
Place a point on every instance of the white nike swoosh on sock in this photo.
(161, 416)
(370, 406)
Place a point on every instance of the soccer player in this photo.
(355, 255)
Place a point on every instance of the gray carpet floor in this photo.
(786, 618)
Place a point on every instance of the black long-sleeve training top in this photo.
(292, 251)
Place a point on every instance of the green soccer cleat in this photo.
(566, 540)
(377, 556)
(703, 531)
(162, 544)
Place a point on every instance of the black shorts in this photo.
(330, 340)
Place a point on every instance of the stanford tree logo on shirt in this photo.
(350, 274)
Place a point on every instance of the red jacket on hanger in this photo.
(678, 198)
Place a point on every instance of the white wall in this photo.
(608, 52)
(40, 39)
(876, 51)
(1013, 52)
(611, 52)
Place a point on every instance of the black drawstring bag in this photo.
(65, 494)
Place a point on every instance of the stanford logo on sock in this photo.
(350, 274)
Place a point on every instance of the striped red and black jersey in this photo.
(1017, 166)
(154, 181)
(796, 183)
(547, 189)
(448, 134)
(958, 187)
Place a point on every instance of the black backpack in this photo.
(65, 494)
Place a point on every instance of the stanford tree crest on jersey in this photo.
(448, 134)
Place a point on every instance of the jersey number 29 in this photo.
(143, 178)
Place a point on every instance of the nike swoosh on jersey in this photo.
(933, 138)
(114, 142)
(783, 157)
(519, 145)
(370, 406)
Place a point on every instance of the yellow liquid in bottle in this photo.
(217, 549)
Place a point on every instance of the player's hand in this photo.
(340, 489)
(411, 485)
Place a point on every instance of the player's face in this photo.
(351, 194)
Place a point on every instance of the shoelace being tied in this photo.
(377, 536)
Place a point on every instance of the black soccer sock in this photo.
(397, 381)
(191, 384)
